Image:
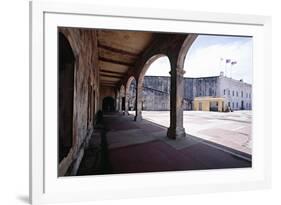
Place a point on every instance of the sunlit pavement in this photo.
(232, 129)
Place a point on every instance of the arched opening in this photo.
(108, 104)
(155, 86)
(131, 94)
(215, 66)
(65, 95)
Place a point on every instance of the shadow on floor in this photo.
(126, 146)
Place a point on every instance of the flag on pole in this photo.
(227, 60)
(233, 62)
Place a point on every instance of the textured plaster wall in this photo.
(86, 92)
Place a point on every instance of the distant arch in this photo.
(108, 104)
(159, 97)
(147, 64)
(129, 81)
(131, 93)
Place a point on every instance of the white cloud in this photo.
(206, 61)
(204, 58)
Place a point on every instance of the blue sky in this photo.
(205, 58)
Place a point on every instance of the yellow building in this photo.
(209, 104)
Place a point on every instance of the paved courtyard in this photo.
(231, 129)
(126, 146)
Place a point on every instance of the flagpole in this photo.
(226, 62)
(231, 64)
(230, 70)
(225, 69)
(220, 65)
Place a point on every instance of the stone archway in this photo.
(130, 94)
(108, 104)
(66, 96)
(140, 84)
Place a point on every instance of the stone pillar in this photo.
(117, 102)
(120, 102)
(176, 128)
(139, 88)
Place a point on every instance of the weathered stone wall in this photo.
(205, 86)
(86, 93)
(159, 83)
(156, 92)
(155, 100)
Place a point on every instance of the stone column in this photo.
(116, 101)
(176, 128)
(117, 104)
(120, 102)
(138, 101)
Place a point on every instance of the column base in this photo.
(138, 118)
(125, 113)
(174, 133)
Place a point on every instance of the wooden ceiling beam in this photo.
(117, 50)
(115, 61)
(108, 79)
(112, 72)
(111, 76)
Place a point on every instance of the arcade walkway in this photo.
(131, 147)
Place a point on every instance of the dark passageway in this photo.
(66, 92)
(108, 104)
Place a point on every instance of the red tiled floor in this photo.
(158, 155)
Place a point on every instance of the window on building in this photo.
(224, 91)
(228, 92)
(233, 105)
(246, 95)
(232, 92)
(237, 105)
(249, 95)
(210, 91)
(236, 93)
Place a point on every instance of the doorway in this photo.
(65, 96)
(108, 104)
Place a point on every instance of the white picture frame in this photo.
(46, 187)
